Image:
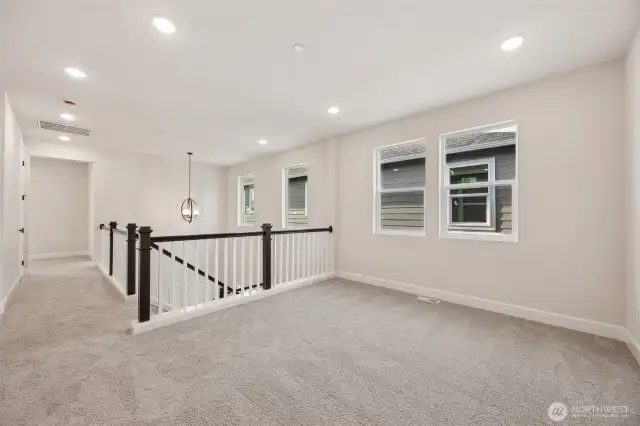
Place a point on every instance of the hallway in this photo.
(54, 339)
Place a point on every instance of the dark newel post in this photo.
(112, 226)
(144, 287)
(266, 256)
(131, 259)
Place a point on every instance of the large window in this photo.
(479, 183)
(246, 197)
(295, 196)
(399, 188)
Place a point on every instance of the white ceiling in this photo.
(229, 77)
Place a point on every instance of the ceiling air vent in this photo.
(59, 127)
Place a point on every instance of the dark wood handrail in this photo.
(170, 238)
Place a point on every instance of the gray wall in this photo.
(633, 191)
(571, 130)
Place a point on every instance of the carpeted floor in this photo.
(332, 353)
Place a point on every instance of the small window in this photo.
(479, 183)
(399, 188)
(295, 196)
(246, 197)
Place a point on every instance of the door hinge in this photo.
(23, 162)
(21, 230)
(24, 196)
(23, 263)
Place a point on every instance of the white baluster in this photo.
(235, 269)
(226, 267)
(251, 259)
(274, 260)
(216, 271)
(298, 240)
(207, 288)
(303, 255)
(259, 263)
(173, 297)
(326, 253)
(281, 258)
(160, 299)
(195, 272)
(309, 272)
(312, 253)
(242, 267)
(287, 262)
(185, 270)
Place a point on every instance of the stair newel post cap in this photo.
(131, 226)
(113, 224)
(266, 227)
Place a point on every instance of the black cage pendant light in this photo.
(188, 208)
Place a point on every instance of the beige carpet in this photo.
(332, 353)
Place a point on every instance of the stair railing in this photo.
(209, 271)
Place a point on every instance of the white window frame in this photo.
(378, 191)
(285, 197)
(240, 193)
(489, 225)
(444, 187)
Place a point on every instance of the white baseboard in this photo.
(8, 299)
(114, 283)
(611, 331)
(634, 346)
(157, 321)
(58, 255)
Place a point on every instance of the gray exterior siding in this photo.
(404, 210)
(296, 202)
(505, 169)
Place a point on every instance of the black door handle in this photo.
(21, 230)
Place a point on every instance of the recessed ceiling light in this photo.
(75, 72)
(395, 170)
(263, 142)
(164, 25)
(333, 110)
(64, 138)
(67, 117)
(298, 48)
(511, 43)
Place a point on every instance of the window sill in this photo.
(405, 233)
(479, 236)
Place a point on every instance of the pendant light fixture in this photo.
(188, 208)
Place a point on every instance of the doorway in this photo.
(58, 213)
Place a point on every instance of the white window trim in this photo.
(443, 198)
(285, 197)
(377, 191)
(489, 225)
(240, 195)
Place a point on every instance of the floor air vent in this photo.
(59, 127)
(428, 299)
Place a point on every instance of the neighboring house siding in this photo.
(505, 169)
(296, 212)
(405, 209)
